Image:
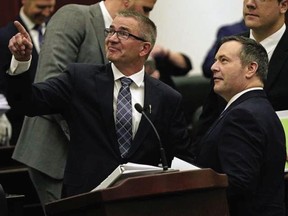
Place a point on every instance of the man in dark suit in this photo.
(32, 13)
(86, 95)
(266, 20)
(247, 141)
(74, 34)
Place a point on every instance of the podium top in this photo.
(143, 186)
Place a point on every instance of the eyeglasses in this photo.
(122, 35)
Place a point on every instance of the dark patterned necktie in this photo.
(38, 28)
(124, 117)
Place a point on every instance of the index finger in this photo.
(21, 29)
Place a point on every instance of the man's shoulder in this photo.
(76, 8)
(87, 67)
(163, 87)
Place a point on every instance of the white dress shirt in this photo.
(272, 41)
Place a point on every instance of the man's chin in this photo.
(111, 58)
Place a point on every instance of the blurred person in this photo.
(163, 64)
(5, 125)
(5, 130)
(90, 98)
(33, 13)
(247, 141)
(75, 34)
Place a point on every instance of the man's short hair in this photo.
(251, 51)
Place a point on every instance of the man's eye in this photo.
(121, 33)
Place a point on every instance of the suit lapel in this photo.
(279, 57)
(105, 88)
(99, 26)
(250, 94)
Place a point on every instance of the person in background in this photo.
(5, 130)
(247, 142)
(227, 30)
(75, 34)
(97, 101)
(5, 126)
(33, 14)
(163, 64)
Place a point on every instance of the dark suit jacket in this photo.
(84, 96)
(275, 88)
(248, 144)
(6, 33)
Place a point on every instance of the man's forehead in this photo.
(229, 48)
(120, 22)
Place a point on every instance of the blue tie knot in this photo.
(125, 81)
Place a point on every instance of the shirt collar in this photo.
(29, 24)
(235, 97)
(107, 17)
(137, 78)
(271, 42)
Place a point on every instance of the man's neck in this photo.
(261, 34)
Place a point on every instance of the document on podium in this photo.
(127, 170)
(124, 171)
(182, 165)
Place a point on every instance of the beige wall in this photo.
(190, 25)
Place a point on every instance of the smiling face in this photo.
(127, 53)
(228, 71)
(264, 15)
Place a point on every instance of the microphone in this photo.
(140, 109)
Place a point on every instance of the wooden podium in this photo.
(198, 192)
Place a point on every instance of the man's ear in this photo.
(145, 49)
(252, 69)
(283, 6)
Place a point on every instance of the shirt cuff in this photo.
(18, 67)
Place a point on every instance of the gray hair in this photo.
(147, 26)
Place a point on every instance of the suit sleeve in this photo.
(63, 37)
(49, 97)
